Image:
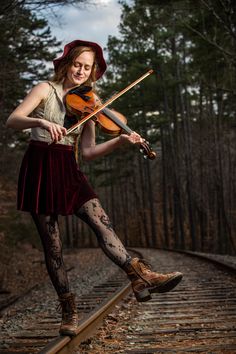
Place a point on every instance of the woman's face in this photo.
(80, 70)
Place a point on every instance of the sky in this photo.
(94, 23)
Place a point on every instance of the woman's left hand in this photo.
(133, 138)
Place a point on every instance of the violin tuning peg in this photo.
(145, 157)
(141, 150)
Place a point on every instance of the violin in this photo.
(82, 100)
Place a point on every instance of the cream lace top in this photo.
(53, 110)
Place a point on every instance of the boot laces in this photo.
(66, 305)
(59, 308)
(145, 266)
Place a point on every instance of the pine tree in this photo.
(26, 45)
(191, 47)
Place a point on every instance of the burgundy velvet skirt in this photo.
(50, 181)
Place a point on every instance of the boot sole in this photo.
(168, 285)
(143, 296)
(67, 333)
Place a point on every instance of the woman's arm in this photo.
(91, 151)
(19, 118)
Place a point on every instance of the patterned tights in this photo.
(93, 214)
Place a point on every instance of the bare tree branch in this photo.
(6, 9)
(226, 25)
(216, 45)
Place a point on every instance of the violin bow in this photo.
(113, 98)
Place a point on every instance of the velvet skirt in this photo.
(50, 181)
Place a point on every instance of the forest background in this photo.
(186, 197)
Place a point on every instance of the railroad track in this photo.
(195, 317)
(41, 335)
(199, 316)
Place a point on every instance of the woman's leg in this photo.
(144, 280)
(48, 229)
(94, 215)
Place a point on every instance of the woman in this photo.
(50, 183)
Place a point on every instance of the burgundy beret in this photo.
(101, 64)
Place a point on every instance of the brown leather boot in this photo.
(145, 281)
(69, 323)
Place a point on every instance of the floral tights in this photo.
(94, 215)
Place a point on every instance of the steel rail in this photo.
(93, 319)
(65, 344)
(212, 258)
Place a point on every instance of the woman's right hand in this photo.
(56, 131)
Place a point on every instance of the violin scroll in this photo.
(147, 152)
